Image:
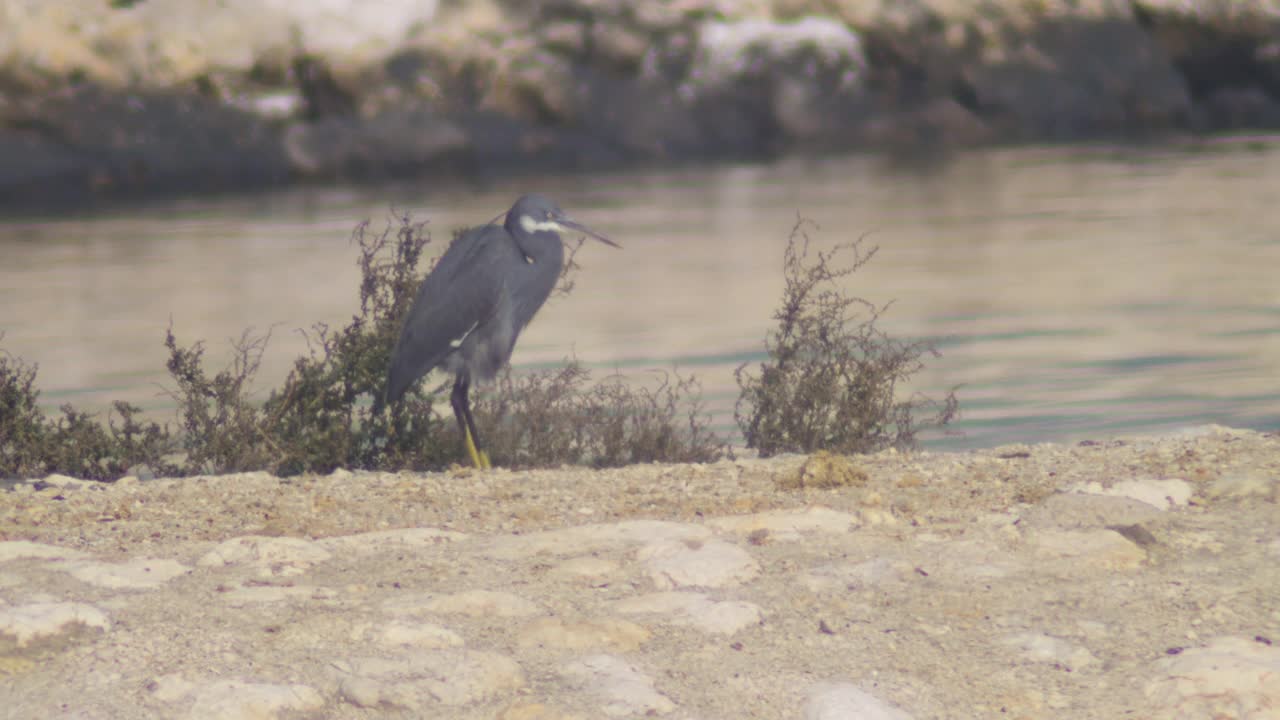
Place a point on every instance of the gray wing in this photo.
(460, 293)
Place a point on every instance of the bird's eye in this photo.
(546, 214)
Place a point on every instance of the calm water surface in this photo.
(1075, 293)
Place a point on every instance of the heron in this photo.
(472, 306)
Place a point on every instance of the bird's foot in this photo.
(479, 458)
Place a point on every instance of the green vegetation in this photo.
(828, 382)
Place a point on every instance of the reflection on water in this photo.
(1074, 293)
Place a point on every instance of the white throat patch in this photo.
(531, 226)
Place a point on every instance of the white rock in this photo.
(168, 32)
(420, 679)
(18, 549)
(425, 635)
(257, 594)
(585, 568)
(345, 27)
(1240, 485)
(845, 701)
(1160, 494)
(727, 48)
(695, 610)
(1103, 548)
(841, 578)
(600, 634)
(1209, 429)
(389, 540)
(1232, 677)
(961, 560)
(1046, 649)
(591, 538)
(136, 574)
(171, 687)
(474, 603)
(269, 556)
(1093, 629)
(693, 563)
(876, 517)
(234, 699)
(788, 525)
(624, 690)
(1076, 510)
(39, 620)
(65, 482)
(368, 693)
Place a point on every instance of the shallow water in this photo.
(1074, 292)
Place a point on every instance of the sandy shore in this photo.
(1122, 578)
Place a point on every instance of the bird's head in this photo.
(537, 213)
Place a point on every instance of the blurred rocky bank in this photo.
(105, 98)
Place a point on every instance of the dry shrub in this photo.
(32, 445)
(830, 380)
(554, 417)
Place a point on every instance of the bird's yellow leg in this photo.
(479, 458)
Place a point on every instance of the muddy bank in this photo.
(103, 99)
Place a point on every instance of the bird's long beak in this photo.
(568, 224)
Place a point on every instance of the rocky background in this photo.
(100, 98)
